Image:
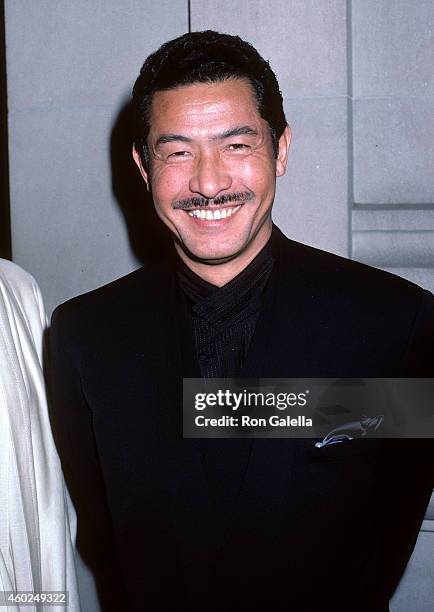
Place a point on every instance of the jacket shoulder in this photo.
(106, 301)
(338, 276)
(360, 309)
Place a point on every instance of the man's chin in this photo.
(206, 256)
(211, 259)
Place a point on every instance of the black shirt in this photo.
(223, 319)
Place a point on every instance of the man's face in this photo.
(212, 170)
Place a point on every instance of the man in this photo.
(236, 524)
(37, 521)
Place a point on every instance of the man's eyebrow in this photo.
(171, 138)
(237, 131)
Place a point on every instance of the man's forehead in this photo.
(205, 104)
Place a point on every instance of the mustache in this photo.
(194, 202)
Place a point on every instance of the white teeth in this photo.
(232, 211)
(210, 215)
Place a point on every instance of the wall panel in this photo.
(393, 132)
(393, 151)
(304, 40)
(70, 68)
(312, 198)
(392, 48)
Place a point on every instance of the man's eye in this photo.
(238, 146)
(178, 154)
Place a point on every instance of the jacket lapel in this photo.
(277, 350)
(197, 502)
(279, 343)
(247, 461)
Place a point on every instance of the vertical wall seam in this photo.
(189, 14)
(5, 207)
(350, 126)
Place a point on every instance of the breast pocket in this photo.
(345, 450)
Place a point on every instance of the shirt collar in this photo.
(239, 298)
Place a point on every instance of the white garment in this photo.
(37, 521)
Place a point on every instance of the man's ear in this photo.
(140, 166)
(282, 156)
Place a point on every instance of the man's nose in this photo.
(210, 176)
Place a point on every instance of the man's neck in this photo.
(219, 274)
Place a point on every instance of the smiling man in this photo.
(213, 173)
(236, 524)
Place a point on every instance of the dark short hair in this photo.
(206, 57)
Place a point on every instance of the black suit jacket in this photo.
(287, 524)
